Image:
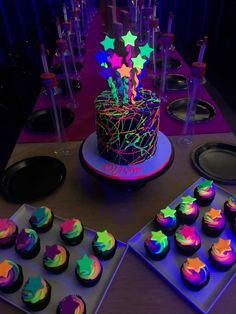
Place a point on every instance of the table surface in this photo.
(136, 287)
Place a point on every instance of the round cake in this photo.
(104, 245)
(230, 207)
(56, 258)
(187, 210)
(204, 193)
(166, 220)
(27, 243)
(195, 273)
(8, 232)
(157, 245)
(213, 222)
(11, 276)
(127, 133)
(72, 304)
(88, 270)
(42, 219)
(72, 231)
(187, 240)
(221, 255)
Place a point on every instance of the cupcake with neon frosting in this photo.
(166, 220)
(72, 304)
(195, 273)
(222, 255)
(187, 240)
(72, 231)
(11, 276)
(230, 207)
(42, 219)
(8, 233)
(88, 270)
(27, 243)
(36, 293)
(187, 210)
(213, 222)
(56, 258)
(104, 245)
(157, 245)
(204, 193)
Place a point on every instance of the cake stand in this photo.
(126, 177)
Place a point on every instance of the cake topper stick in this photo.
(44, 58)
(203, 44)
(65, 13)
(58, 28)
(170, 22)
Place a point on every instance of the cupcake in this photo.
(42, 219)
(27, 243)
(88, 270)
(157, 245)
(56, 258)
(8, 232)
(11, 276)
(187, 240)
(195, 273)
(213, 222)
(221, 255)
(230, 207)
(166, 220)
(204, 193)
(187, 210)
(72, 231)
(104, 245)
(36, 293)
(72, 304)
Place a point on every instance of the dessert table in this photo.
(136, 287)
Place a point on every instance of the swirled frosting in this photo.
(88, 267)
(206, 189)
(72, 304)
(231, 202)
(41, 216)
(166, 217)
(222, 252)
(55, 255)
(9, 273)
(71, 228)
(156, 242)
(214, 218)
(7, 229)
(187, 236)
(188, 206)
(26, 240)
(104, 241)
(35, 289)
(194, 271)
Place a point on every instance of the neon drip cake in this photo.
(127, 115)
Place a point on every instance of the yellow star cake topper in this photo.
(5, 267)
(214, 213)
(124, 71)
(195, 264)
(222, 245)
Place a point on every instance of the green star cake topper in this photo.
(168, 212)
(205, 184)
(103, 237)
(108, 43)
(129, 39)
(187, 199)
(138, 61)
(85, 264)
(145, 50)
(158, 236)
(34, 284)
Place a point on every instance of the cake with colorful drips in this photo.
(104, 245)
(36, 293)
(204, 193)
(187, 240)
(56, 258)
(157, 245)
(88, 270)
(72, 304)
(187, 210)
(166, 220)
(11, 276)
(42, 219)
(72, 231)
(195, 273)
(222, 255)
(27, 243)
(8, 232)
(213, 222)
(230, 207)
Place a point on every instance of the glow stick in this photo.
(59, 28)
(170, 21)
(44, 58)
(202, 50)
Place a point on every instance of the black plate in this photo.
(76, 86)
(172, 63)
(216, 161)
(41, 120)
(174, 82)
(32, 179)
(204, 110)
(58, 69)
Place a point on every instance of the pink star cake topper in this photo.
(187, 231)
(67, 225)
(115, 60)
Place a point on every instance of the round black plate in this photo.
(58, 69)
(174, 82)
(41, 120)
(204, 110)
(32, 179)
(216, 161)
(172, 63)
(76, 86)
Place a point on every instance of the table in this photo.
(136, 287)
